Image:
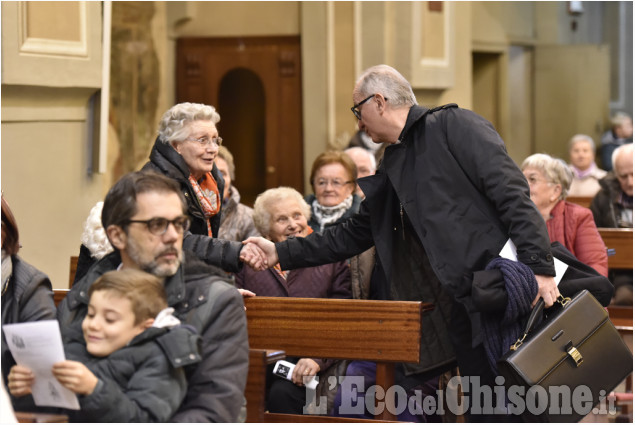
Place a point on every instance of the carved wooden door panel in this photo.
(255, 84)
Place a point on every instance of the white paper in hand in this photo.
(37, 345)
(509, 252)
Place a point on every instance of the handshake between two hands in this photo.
(259, 253)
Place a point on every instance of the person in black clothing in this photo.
(443, 203)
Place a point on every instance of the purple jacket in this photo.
(326, 281)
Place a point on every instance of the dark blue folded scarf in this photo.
(501, 332)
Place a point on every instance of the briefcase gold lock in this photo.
(575, 355)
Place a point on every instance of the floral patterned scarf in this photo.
(206, 191)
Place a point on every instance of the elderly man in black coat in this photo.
(443, 203)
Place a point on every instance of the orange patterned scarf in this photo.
(206, 191)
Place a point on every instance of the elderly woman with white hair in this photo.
(586, 175)
(280, 214)
(570, 224)
(185, 150)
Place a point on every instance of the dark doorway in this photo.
(255, 83)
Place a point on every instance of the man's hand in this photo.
(75, 376)
(305, 370)
(253, 256)
(266, 248)
(20, 381)
(547, 289)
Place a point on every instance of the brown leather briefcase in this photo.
(568, 364)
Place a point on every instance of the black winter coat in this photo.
(606, 206)
(167, 161)
(203, 298)
(463, 194)
(220, 253)
(145, 379)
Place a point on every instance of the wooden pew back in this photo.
(583, 201)
(620, 240)
(337, 329)
(385, 332)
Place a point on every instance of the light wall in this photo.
(48, 78)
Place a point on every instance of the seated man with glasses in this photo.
(144, 215)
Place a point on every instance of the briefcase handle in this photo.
(536, 313)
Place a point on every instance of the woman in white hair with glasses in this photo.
(185, 150)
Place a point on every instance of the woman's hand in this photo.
(76, 377)
(305, 370)
(20, 381)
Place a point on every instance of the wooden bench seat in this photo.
(583, 201)
(386, 332)
(620, 241)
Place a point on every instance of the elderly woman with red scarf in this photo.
(185, 150)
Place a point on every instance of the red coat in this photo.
(573, 226)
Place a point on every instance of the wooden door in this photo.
(255, 84)
(571, 95)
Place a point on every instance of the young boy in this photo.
(128, 366)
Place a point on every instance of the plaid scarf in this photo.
(206, 191)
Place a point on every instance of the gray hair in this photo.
(624, 149)
(620, 118)
(554, 169)
(387, 81)
(225, 154)
(582, 138)
(373, 161)
(174, 120)
(264, 201)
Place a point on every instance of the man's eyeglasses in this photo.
(204, 141)
(335, 183)
(159, 225)
(355, 108)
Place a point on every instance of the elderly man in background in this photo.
(365, 162)
(144, 215)
(621, 133)
(613, 207)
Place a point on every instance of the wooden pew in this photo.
(622, 319)
(40, 418)
(583, 201)
(58, 295)
(621, 241)
(259, 361)
(73, 270)
(386, 332)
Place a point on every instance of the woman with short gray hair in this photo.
(586, 175)
(185, 150)
(568, 223)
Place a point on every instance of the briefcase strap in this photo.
(533, 319)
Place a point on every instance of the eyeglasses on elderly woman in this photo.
(206, 140)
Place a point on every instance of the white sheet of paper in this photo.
(509, 252)
(37, 345)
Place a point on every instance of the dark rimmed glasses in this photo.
(355, 108)
(159, 225)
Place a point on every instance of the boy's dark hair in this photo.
(120, 204)
(144, 290)
(10, 234)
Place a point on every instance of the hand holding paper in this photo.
(37, 346)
